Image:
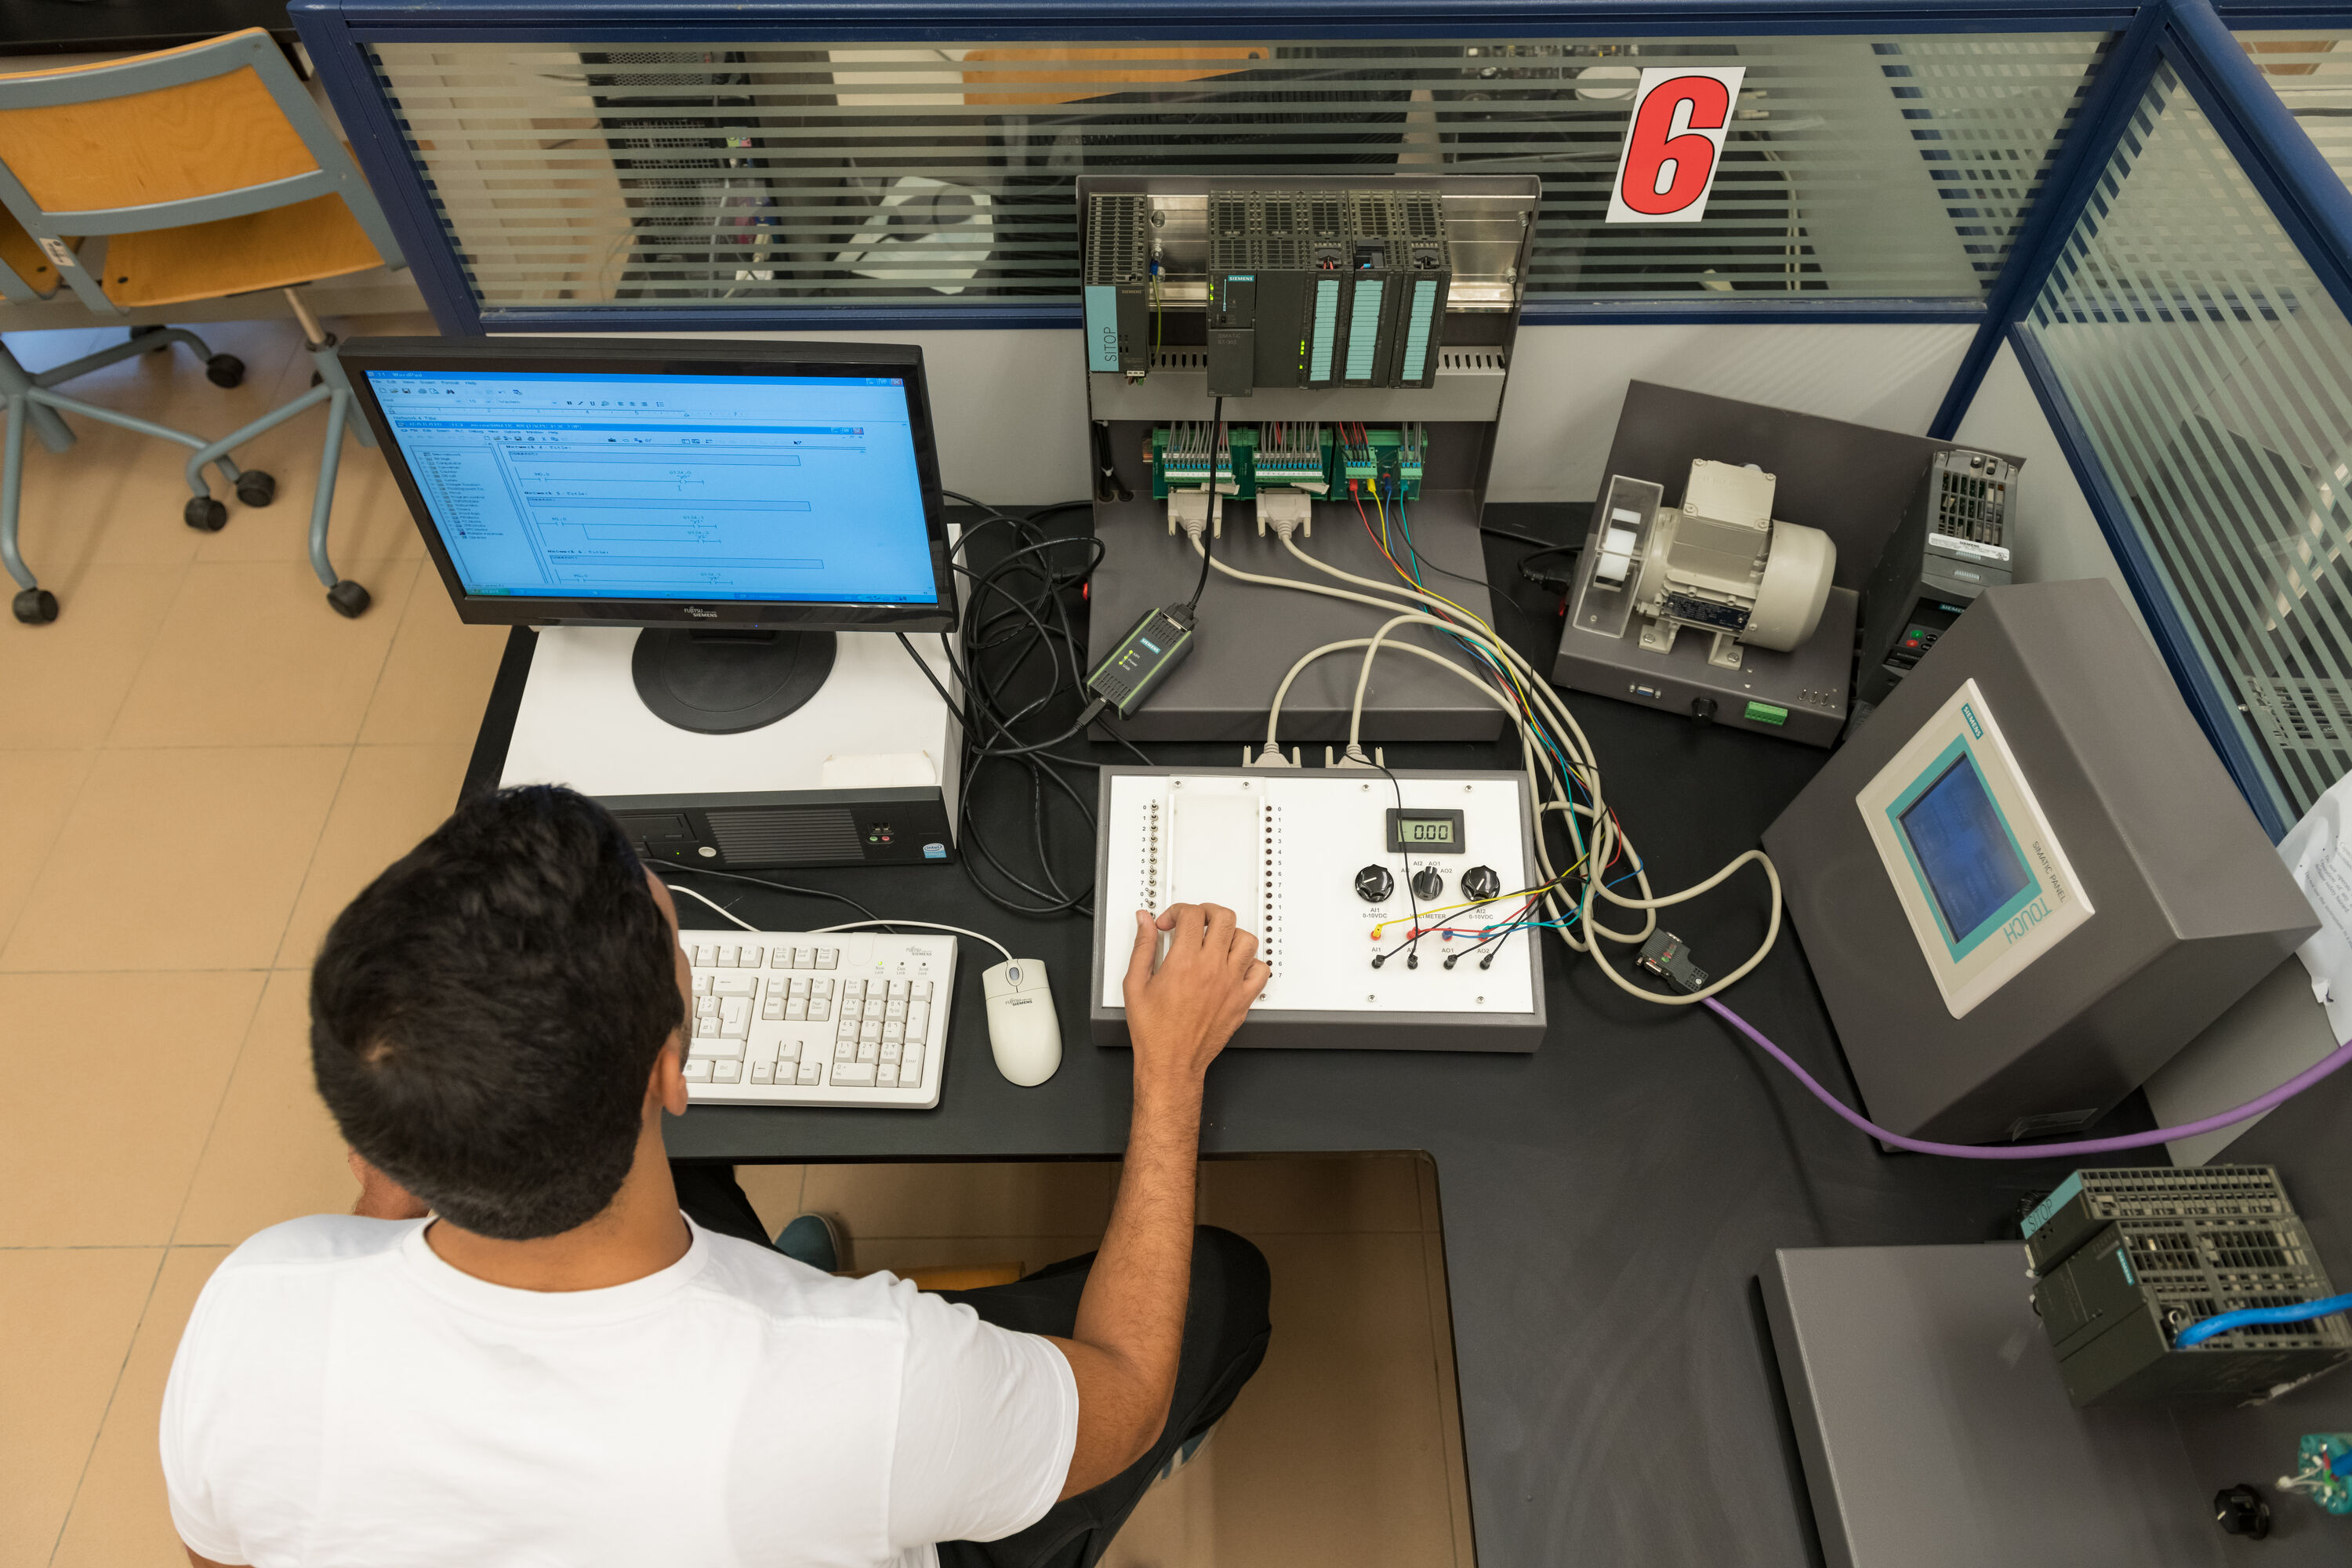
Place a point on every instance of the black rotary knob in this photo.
(1428, 882)
(1480, 882)
(1373, 883)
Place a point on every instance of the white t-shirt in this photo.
(342, 1398)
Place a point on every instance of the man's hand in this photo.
(1179, 1016)
(381, 1197)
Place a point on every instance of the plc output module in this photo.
(1397, 911)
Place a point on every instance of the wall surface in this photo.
(1567, 384)
(1010, 406)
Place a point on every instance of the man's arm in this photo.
(1131, 1325)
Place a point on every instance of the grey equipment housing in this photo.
(2193, 905)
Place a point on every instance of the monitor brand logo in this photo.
(696, 612)
(1968, 713)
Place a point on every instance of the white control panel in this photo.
(1335, 870)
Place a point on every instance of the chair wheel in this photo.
(205, 513)
(223, 370)
(255, 487)
(351, 600)
(35, 607)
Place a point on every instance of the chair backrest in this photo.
(27, 276)
(210, 131)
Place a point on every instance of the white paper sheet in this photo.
(2318, 852)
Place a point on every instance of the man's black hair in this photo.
(485, 1015)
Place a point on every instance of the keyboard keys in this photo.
(875, 1018)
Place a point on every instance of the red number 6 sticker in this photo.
(1672, 144)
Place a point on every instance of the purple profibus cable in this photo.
(2319, 1070)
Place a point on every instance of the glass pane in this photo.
(2311, 71)
(1857, 167)
(2213, 375)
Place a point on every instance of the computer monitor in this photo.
(742, 501)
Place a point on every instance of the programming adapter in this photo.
(1134, 668)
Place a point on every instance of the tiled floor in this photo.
(200, 763)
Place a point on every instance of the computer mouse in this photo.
(1023, 1029)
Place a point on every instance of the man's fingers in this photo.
(1244, 946)
(1184, 923)
(1138, 960)
(1254, 982)
(1219, 935)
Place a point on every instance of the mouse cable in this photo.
(667, 870)
(925, 925)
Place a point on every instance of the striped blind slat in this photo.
(583, 174)
(2212, 374)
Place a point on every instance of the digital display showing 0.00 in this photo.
(1429, 830)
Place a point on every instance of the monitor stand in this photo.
(722, 681)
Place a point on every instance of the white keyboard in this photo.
(839, 1018)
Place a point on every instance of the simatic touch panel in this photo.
(1980, 874)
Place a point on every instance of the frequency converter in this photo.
(1390, 908)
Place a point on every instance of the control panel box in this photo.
(1335, 870)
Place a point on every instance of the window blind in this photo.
(2212, 374)
(749, 176)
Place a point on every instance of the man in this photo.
(559, 1367)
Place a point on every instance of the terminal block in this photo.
(1383, 461)
(1182, 459)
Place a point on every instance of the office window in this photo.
(892, 174)
(2212, 374)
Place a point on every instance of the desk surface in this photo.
(1608, 1202)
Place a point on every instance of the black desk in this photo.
(1608, 1202)
(107, 27)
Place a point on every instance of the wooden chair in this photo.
(26, 278)
(189, 174)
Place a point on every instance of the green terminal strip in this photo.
(1766, 713)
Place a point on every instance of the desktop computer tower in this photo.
(864, 775)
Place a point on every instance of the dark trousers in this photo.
(1226, 1332)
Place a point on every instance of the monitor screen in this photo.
(1964, 849)
(579, 486)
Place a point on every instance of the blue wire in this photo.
(2205, 1329)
